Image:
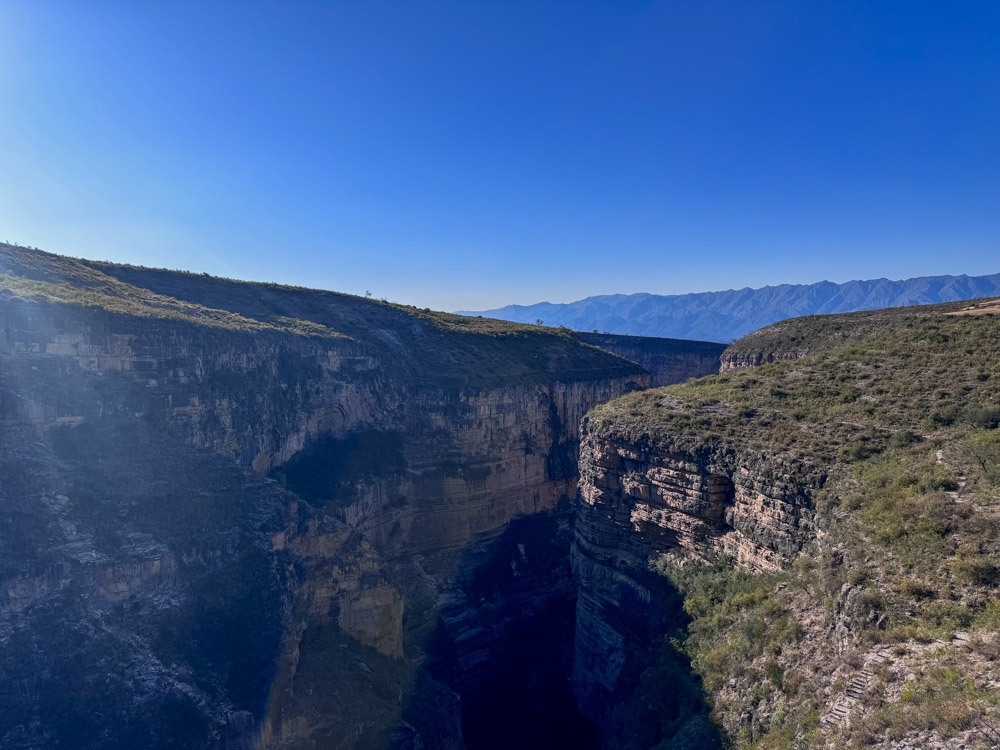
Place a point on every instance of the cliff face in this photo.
(264, 532)
(643, 497)
(813, 508)
(667, 361)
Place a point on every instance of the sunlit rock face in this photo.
(640, 499)
(227, 538)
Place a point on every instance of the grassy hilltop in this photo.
(422, 342)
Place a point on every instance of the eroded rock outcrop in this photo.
(232, 524)
(653, 493)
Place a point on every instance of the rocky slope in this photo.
(241, 515)
(728, 315)
(817, 534)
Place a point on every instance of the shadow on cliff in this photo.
(631, 674)
(153, 598)
(501, 657)
(660, 702)
(503, 646)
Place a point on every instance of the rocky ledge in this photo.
(816, 533)
(647, 493)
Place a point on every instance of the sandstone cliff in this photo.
(252, 516)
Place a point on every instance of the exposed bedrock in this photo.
(667, 361)
(641, 498)
(229, 539)
(738, 360)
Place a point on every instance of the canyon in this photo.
(251, 516)
(667, 361)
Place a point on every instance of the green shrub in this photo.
(774, 672)
(982, 450)
(938, 479)
(854, 501)
(942, 417)
(978, 570)
(903, 438)
(858, 451)
(983, 417)
(857, 576)
(916, 590)
(990, 616)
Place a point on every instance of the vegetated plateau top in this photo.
(419, 342)
(840, 383)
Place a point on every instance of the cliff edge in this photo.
(244, 515)
(807, 542)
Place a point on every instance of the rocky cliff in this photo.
(646, 493)
(667, 361)
(252, 516)
(799, 526)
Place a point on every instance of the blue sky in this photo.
(473, 154)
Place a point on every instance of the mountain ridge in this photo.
(729, 314)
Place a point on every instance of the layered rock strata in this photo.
(257, 537)
(667, 361)
(642, 496)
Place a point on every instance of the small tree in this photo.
(539, 321)
(983, 447)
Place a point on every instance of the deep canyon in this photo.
(251, 516)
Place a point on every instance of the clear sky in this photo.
(472, 154)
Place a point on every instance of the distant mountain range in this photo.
(725, 316)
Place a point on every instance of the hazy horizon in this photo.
(540, 301)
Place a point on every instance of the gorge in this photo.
(284, 516)
(251, 516)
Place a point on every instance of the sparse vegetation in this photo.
(147, 305)
(896, 413)
(442, 345)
